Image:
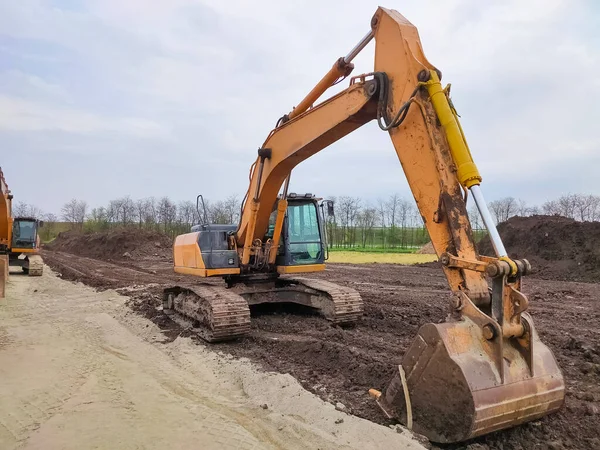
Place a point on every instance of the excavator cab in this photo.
(24, 245)
(303, 239)
(25, 233)
(207, 250)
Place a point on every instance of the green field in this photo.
(354, 257)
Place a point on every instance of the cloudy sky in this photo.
(105, 98)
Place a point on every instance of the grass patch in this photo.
(377, 257)
(373, 250)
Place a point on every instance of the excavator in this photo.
(484, 368)
(19, 239)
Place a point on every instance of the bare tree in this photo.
(586, 207)
(99, 216)
(349, 208)
(475, 218)
(232, 206)
(381, 211)
(504, 208)
(404, 212)
(367, 219)
(74, 212)
(186, 213)
(567, 205)
(150, 212)
(218, 213)
(20, 209)
(167, 213)
(575, 206)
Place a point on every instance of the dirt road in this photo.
(341, 364)
(79, 369)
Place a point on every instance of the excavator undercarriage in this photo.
(217, 313)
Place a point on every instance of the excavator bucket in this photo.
(457, 381)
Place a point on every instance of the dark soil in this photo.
(116, 244)
(558, 248)
(341, 364)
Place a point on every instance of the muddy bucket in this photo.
(462, 383)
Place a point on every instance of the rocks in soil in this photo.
(340, 407)
(592, 409)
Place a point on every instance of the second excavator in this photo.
(484, 368)
(19, 238)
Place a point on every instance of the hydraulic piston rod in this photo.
(341, 68)
(488, 221)
(358, 48)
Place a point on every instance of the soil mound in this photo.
(557, 247)
(427, 249)
(117, 244)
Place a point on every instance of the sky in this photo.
(105, 98)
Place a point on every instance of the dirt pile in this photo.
(557, 247)
(117, 244)
(427, 249)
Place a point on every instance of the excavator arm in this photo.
(405, 97)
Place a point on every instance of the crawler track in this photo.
(347, 305)
(35, 266)
(216, 314)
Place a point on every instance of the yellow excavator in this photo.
(19, 239)
(483, 369)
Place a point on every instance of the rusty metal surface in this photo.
(457, 391)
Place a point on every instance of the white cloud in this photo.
(200, 84)
(22, 115)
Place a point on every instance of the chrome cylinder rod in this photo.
(488, 221)
(356, 50)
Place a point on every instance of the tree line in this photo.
(393, 222)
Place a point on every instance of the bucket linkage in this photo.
(483, 370)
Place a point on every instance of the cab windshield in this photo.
(24, 233)
(304, 234)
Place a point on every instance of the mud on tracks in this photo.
(341, 364)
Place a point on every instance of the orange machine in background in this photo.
(19, 239)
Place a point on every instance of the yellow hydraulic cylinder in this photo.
(468, 174)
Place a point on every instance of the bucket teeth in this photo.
(456, 391)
